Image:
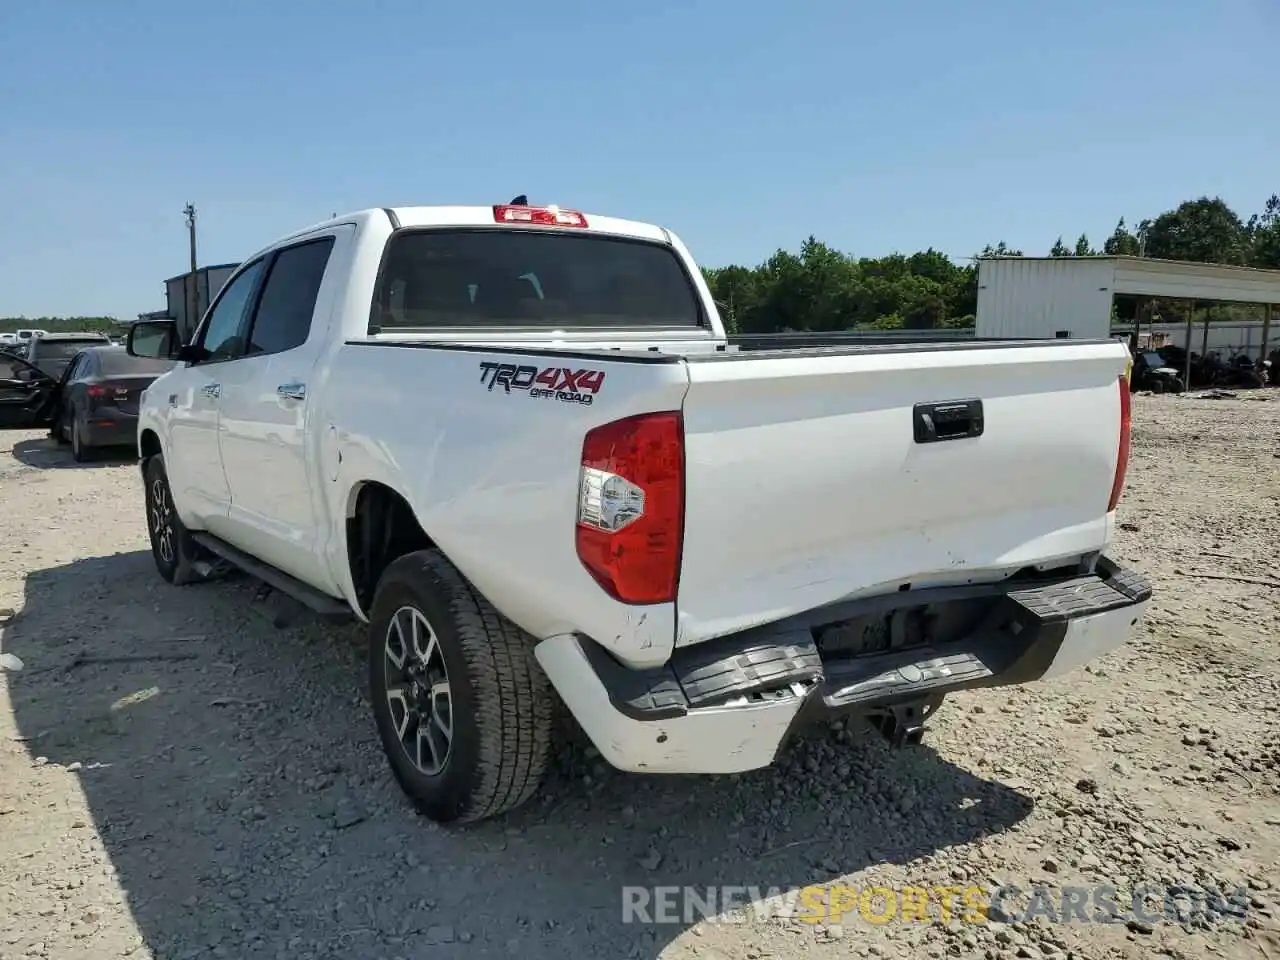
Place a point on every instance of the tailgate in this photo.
(806, 484)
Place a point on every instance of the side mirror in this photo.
(153, 340)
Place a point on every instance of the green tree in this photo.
(1264, 235)
(1001, 249)
(1204, 230)
(62, 324)
(1121, 243)
(1083, 247)
(1059, 249)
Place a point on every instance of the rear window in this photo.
(528, 278)
(119, 363)
(63, 349)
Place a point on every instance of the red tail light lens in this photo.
(631, 506)
(540, 216)
(96, 392)
(1126, 433)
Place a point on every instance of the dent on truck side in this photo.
(491, 478)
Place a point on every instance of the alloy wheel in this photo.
(418, 692)
(161, 511)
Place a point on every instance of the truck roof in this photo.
(478, 216)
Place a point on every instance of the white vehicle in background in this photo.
(26, 333)
(517, 442)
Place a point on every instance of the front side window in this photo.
(288, 301)
(14, 369)
(531, 278)
(222, 336)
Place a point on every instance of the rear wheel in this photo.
(81, 452)
(463, 710)
(172, 546)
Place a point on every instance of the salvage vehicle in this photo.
(26, 393)
(1150, 372)
(51, 352)
(517, 443)
(97, 400)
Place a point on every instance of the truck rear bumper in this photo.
(728, 705)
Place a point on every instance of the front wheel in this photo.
(59, 431)
(463, 710)
(172, 546)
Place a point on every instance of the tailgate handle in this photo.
(949, 420)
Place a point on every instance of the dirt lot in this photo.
(179, 779)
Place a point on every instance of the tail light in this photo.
(1126, 433)
(538, 216)
(631, 506)
(98, 393)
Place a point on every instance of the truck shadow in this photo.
(234, 777)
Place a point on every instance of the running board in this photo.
(320, 603)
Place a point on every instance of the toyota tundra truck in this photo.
(516, 442)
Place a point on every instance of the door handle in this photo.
(953, 420)
(212, 390)
(292, 391)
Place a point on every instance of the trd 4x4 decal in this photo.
(556, 383)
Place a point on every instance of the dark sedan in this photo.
(98, 402)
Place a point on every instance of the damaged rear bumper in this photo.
(728, 705)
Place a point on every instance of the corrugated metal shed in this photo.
(1044, 297)
(209, 281)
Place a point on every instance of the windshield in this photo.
(1153, 359)
(63, 349)
(528, 278)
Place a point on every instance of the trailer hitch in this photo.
(902, 724)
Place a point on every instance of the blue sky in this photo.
(744, 126)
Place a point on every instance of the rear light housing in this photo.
(99, 393)
(630, 526)
(538, 216)
(1126, 434)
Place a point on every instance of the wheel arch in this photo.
(148, 445)
(379, 527)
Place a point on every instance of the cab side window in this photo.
(222, 337)
(288, 302)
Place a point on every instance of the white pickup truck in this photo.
(517, 442)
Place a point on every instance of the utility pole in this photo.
(189, 211)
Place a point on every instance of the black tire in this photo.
(1157, 386)
(80, 451)
(59, 431)
(176, 561)
(500, 703)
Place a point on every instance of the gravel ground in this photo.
(180, 779)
